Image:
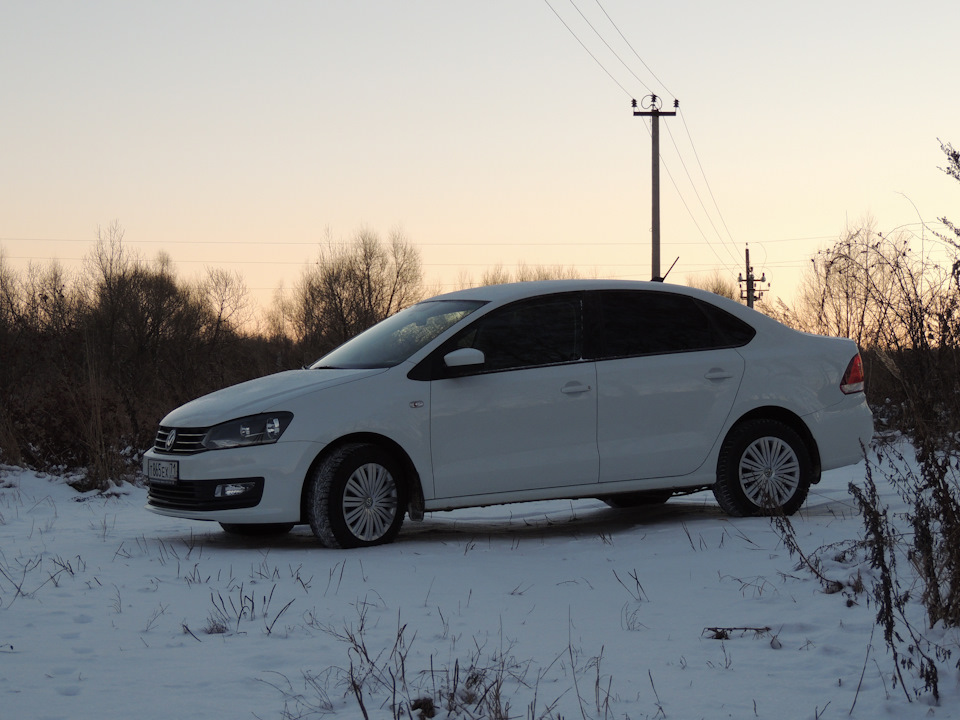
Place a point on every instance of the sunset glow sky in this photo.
(238, 134)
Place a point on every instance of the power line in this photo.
(693, 219)
(261, 243)
(704, 175)
(305, 263)
(679, 154)
(697, 193)
(575, 37)
(603, 40)
(127, 241)
(296, 243)
(629, 45)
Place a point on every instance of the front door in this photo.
(527, 417)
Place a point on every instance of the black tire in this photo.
(637, 499)
(257, 530)
(764, 468)
(356, 497)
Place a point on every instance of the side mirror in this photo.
(464, 357)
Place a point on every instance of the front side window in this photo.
(528, 333)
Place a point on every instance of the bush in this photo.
(90, 364)
(904, 311)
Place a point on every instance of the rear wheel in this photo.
(257, 530)
(764, 468)
(356, 497)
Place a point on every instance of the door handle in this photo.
(718, 374)
(573, 387)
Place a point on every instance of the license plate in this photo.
(163, 472)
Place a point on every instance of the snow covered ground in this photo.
(555, 609)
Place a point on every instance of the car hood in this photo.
(260, 395)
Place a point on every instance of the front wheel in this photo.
(356, 497)
(764, 468)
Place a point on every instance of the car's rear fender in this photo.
(791, 420)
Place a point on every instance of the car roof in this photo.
(509, 292)
(520, 290)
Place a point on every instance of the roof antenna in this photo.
(661, 279)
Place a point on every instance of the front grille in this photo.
(186, 440)
(198, 495)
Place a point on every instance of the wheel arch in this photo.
(791, 420)
(411, 477)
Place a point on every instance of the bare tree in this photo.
(353, 286)
(225, 296)
(953, 170)
(851, 289)
(903, 309)
(527, 273)
(499, 275)
(716, 282)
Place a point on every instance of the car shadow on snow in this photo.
(584, 518)
(555, 519)
(539, 520)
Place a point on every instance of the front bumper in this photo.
(275, 474)
(206, 495)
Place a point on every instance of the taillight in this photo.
(853, 378)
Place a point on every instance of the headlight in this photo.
(254, 430)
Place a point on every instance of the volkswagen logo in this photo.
(170, 441)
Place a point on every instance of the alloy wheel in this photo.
(370, 502)
(769, 472)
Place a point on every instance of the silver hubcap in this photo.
(769, 472)
(370, 502)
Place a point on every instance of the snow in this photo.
(567, 609)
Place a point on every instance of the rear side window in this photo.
(735, 331)
(635, 323)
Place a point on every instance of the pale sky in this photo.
(237, 134)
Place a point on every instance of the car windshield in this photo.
(393, 340)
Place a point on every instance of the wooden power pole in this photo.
(751, 294)
(652, 104)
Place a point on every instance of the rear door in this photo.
(667, 379)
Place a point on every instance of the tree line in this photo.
(90, 363)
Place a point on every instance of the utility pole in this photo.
(751, 295)
(652, 105)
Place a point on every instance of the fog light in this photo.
(233, 489)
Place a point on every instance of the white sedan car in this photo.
(625, 391)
